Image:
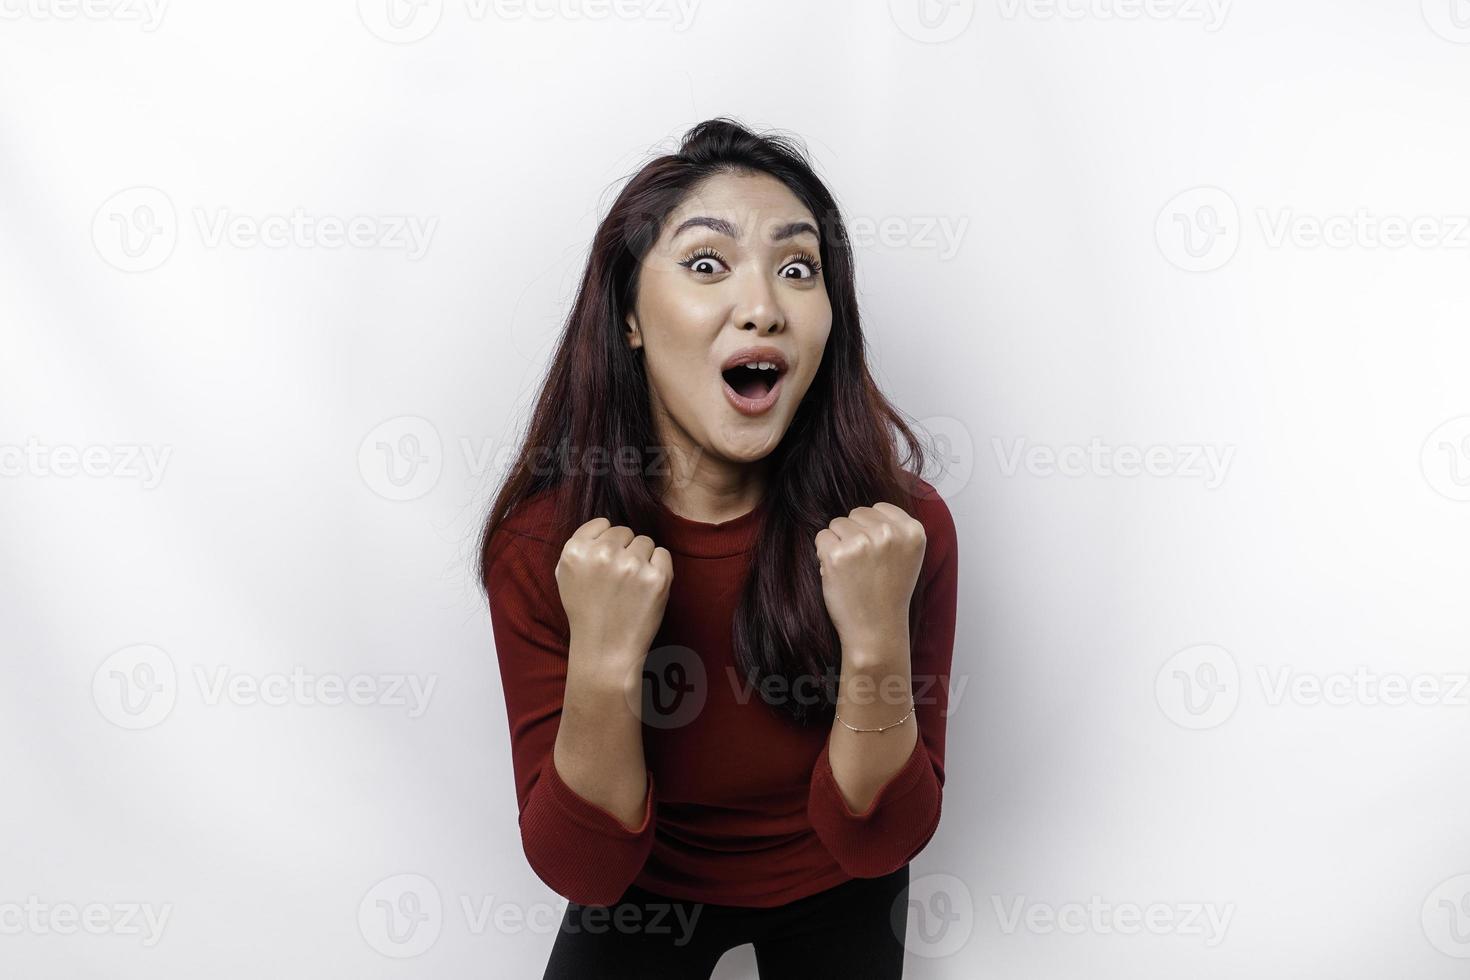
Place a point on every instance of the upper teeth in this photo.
(761, 366)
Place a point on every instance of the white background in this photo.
(1130, 203)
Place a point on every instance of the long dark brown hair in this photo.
(840, 452)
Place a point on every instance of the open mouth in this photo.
(753, 381)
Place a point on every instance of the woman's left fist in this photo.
(870, 562)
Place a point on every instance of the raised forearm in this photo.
(599, 744)
(875, 690)
(876, 796)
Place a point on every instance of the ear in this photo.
(634, 335)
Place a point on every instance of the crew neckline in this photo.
(701, 539)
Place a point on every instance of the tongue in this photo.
(750, 384)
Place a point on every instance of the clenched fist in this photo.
(614, 586)
(870, 563)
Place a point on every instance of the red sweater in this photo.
(742, 807)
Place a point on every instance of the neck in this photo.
(699, 485)
(714, 491)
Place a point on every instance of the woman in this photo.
(723, 609)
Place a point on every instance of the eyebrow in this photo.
(721, 226)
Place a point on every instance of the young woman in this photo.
(723, 607)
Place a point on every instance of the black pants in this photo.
(853, 931)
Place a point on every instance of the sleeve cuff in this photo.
(891, 831)
(589, 815)
(580, 849)
(899, 784)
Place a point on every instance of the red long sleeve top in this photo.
(742, 807)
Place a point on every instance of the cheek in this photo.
(814, 348)
(814, 341)
(680, 373)
(678, 305)
(816, 310)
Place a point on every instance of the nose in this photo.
(757, 307)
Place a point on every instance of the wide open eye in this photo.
(706, 262)
(807, 263)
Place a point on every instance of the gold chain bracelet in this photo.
(885, 727)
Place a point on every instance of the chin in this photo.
(748, 450)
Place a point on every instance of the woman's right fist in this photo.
(614, 586)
